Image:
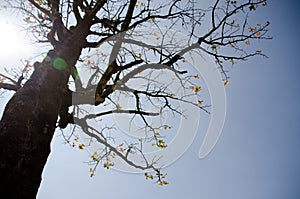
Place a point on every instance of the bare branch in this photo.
(11, 87)
(90, 116)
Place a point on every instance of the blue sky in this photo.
(257, 156)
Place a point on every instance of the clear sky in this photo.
(257, 156)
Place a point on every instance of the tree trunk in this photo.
(29, 122)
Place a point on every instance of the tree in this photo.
(52, 97)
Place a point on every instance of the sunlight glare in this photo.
(13, 43)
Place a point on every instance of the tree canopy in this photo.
(104, 58)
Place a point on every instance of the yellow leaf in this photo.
(105, 165)
(81, 146)
(234, 46)
(213, 47)
(157, 133)
(200, 101)
(226, 83)
(166, 182)
(258, 34)
(118, 106)
(247, 42)
(252, 29)
(94, 157)
(196, 88)
(196, 76)
(171, 95)
(138, 55)
(40, 2)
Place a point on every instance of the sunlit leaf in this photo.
(258, 34)
(81, 146)
(118, 106)
(226, 83)
(166, 127)
(196, 88)
(200, 101)
(252, 29)
(196, 76)
(259, 52)
(213, 47)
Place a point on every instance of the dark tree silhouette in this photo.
(43, 102)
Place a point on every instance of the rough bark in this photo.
(29, 121)
(26, 131)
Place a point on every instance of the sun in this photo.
(13, 42)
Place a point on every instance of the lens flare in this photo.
(13, 42)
